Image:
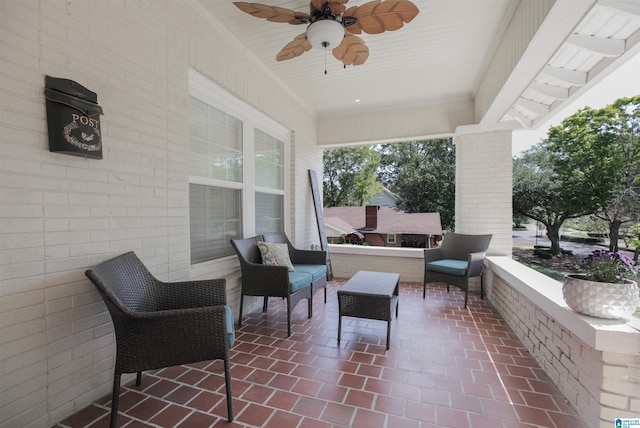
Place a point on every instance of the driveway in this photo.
(528, 238)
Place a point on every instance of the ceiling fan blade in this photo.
(352, 50)
(337, 6)
(379, 16)
(295, 48)
(274, 13)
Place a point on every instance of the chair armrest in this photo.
(308, 257)
(259, 279)
(476, 264)
(433, 254)
(188, 294)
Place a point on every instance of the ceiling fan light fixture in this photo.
(325, 33)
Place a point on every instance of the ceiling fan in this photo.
(332, 25)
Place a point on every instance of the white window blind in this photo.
(237, 174)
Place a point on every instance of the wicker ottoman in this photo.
(371, 295)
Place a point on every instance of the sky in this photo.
(623, 82)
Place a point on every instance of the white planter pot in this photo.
(600, 299)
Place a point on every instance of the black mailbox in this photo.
(73, 118)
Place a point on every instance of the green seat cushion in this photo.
(298, 280)
(231, 333)
(316, 271)
(449, 266)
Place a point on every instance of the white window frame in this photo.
(205, 90)
(391, 238)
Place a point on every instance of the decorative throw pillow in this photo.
(275, 255)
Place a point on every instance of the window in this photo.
(391, 238)
(237, 174)
(269, 167)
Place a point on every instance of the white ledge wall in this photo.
(346, 260)
(594, 362)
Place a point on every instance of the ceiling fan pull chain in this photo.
(325, 44)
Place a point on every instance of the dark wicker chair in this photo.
(269, 281)
(159, 324)
(310, 261)
(457, 259)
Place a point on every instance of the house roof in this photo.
(385, 197)
(340, 226)
(390, 220)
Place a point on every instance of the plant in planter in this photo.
(608, 287)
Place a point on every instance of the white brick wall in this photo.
(601, 385)
(346, 260)
(61, 214)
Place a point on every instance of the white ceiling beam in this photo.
(572, 77)
(515, 114)
(601, 45)
(550, 90)
(533, 106)
(630, 8)
(541, 32)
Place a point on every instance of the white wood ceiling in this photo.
(441, 55)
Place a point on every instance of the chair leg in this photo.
(481, 286)
(227, 381)
(325, 294)
(115, 398)
(288, 316)
(138, 378)
(265, 303)
(424, 290)
(466, 294)
(240, 314)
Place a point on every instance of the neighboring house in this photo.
(385, 198)
(336, 228)
(382, 226)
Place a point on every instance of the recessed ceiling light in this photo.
(357, 100)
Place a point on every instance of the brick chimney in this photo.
(371, 217)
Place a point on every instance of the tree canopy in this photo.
(589, 164)
(598, 159)
(538, 193)
(423, 173)
(349, 175)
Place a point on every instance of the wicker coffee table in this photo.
(371, 295)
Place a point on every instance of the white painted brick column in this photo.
(484, 183)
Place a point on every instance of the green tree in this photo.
(423, 174)
(596, 155)
(634, 231)
(349, 175)
(538, 193)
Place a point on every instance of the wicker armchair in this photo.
(458, 258)
(259, 279)
(159, 324)
(313, 262)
